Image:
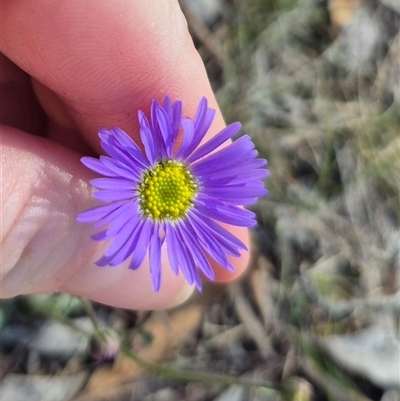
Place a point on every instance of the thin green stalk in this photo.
(99, 330)
(178, 374)
(195, 376)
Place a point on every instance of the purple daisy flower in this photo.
(172, 195)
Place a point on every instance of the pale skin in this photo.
(89, 64)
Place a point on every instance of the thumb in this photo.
(44, 249)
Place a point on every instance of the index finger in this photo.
(105, 60)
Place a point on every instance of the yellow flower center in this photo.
(166, 191)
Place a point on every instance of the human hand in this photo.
(91, 64)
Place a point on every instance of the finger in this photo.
(106, 60)
(44, 249)
(19, 107)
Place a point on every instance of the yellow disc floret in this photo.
(167, 191)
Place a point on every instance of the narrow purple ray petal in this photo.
(200, 112)
(210, 243)
(167, 106)
(97, 213)
(188, 135)
(121, 170)
(141, 245)
(96, 165)
(171, 248)
(117, 153)
(241, 149)
(225, 238)
(118, 137)
(176, 118)
(100, 236)
(228, 214)
(227, 133)
(124, 234)
(185, 259)
(113, 251)
(119, 222)
(127, 208)
(111, 196)
(164, 125)
(236, 175)
(113, 183)
(159, 148)
(155, 258)
(129, 246)
(123, 141)
(201, 261)
(244, 187)
(103, 261)
(197, 282)
(234, 193)
(147, 139)
(214, 167)
(236, 201)
(202, 123)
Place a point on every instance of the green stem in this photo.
(99, 330)
(194, 376)
(178, 374)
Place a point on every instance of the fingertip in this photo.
(240, 264)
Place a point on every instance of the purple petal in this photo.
(167, 106)
(113, 184)
(100, 236)
(231, 243)
(141, 245)
(147, 138)
(118, 154)
(159, 147)
(209, 243)
(227, 214)
(227, 133)
(186, 261)
(111, 196)
(95, 214)
(193, 244)
(172, 248)
(117, 251)
(202, 121)
(121, 170)
(176, 118)
(188, 134)
(120, 221)
(234, 175)
(155, 258)
(165, 130)
(126, 208)
(124, 141)
(233, 193)
(129, 247)
(96, 165)
(108, 167)
(239, 151)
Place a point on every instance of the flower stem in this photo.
(195, 376)
(99, 330)
(179, 374)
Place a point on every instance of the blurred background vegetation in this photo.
(316, 83)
